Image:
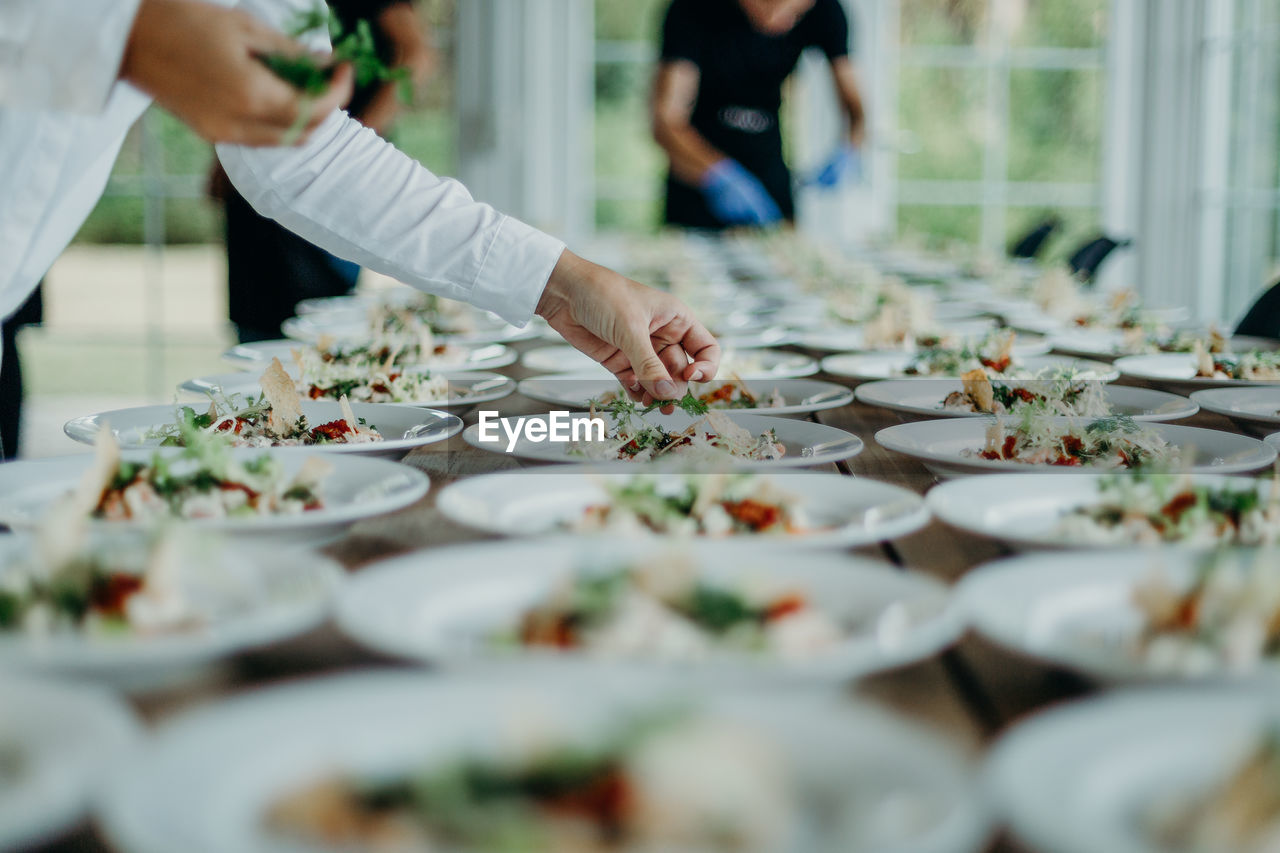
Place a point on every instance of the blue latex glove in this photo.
(846, 162)
(737, 197)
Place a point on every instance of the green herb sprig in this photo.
(357, 47)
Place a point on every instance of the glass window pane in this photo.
(1054, 23)
(948, 22)
(1055, 125)
(944, 110)
(636, 215)
(1078, 224)
(939, 226)
(629, 20)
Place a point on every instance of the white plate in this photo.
(66, 736)
(576, 390)
(892, 785)
(441, 606)
(917, 398)
(1023, 510)
(257, 356)
(769, 336)
(849, 511)
(890, 365)
(1078, 613)
(806, 443)
(1032, 318)
(1104, 344)
(466, 388)
(848, 338)
(938, 445)
(757, 364)
(1110, 344)
(404, 427)
(1255, 410)
(349, 328)
(294, 588)
(1177, 372)
(358, 488)
(362, 300)
(1076, 779)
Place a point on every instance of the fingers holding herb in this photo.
(201, 62)
(356, 50)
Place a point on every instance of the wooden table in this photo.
(972, 692)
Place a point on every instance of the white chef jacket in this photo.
(64, 115)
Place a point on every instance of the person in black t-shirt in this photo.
(715, 105)
(269, 268)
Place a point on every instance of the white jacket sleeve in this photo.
(62, 54)
(349, 191)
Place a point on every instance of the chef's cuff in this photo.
(515, 270)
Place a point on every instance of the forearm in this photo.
(689, 152)
(850, 96)
(381, 111)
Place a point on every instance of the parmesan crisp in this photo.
(282, 394)
(978, 386)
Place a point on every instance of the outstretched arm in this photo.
(850, 96)
(354, 194)
(675, 89)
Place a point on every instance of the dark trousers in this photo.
(270, 270)
(32, 311)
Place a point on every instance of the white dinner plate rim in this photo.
(843, 396)
(213, 383)
(117, 730)
(940, 502)
(872, 394)
(442, 426)
(249, 356)
(848, 445)
(933, 635)
(803, 365)
(456, 499)
(892, 438)
(418, 485)
(845, 365)
(1133, 367)
(1015, 783)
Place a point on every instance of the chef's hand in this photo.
(736, 196)
(648, 339)
(845, 162)
(199, 61)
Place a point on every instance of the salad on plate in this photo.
(1059, 392)
(204, 481)
(1165, 509)
(1251, 366)
(632, 439)
(628, 788)
(721, 394)
(1109, 443)
(992, 353)
(172, 585)
(663, 610)
(701, 505)
(273, 420)
(1228, 618)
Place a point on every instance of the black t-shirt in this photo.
(742, 70)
